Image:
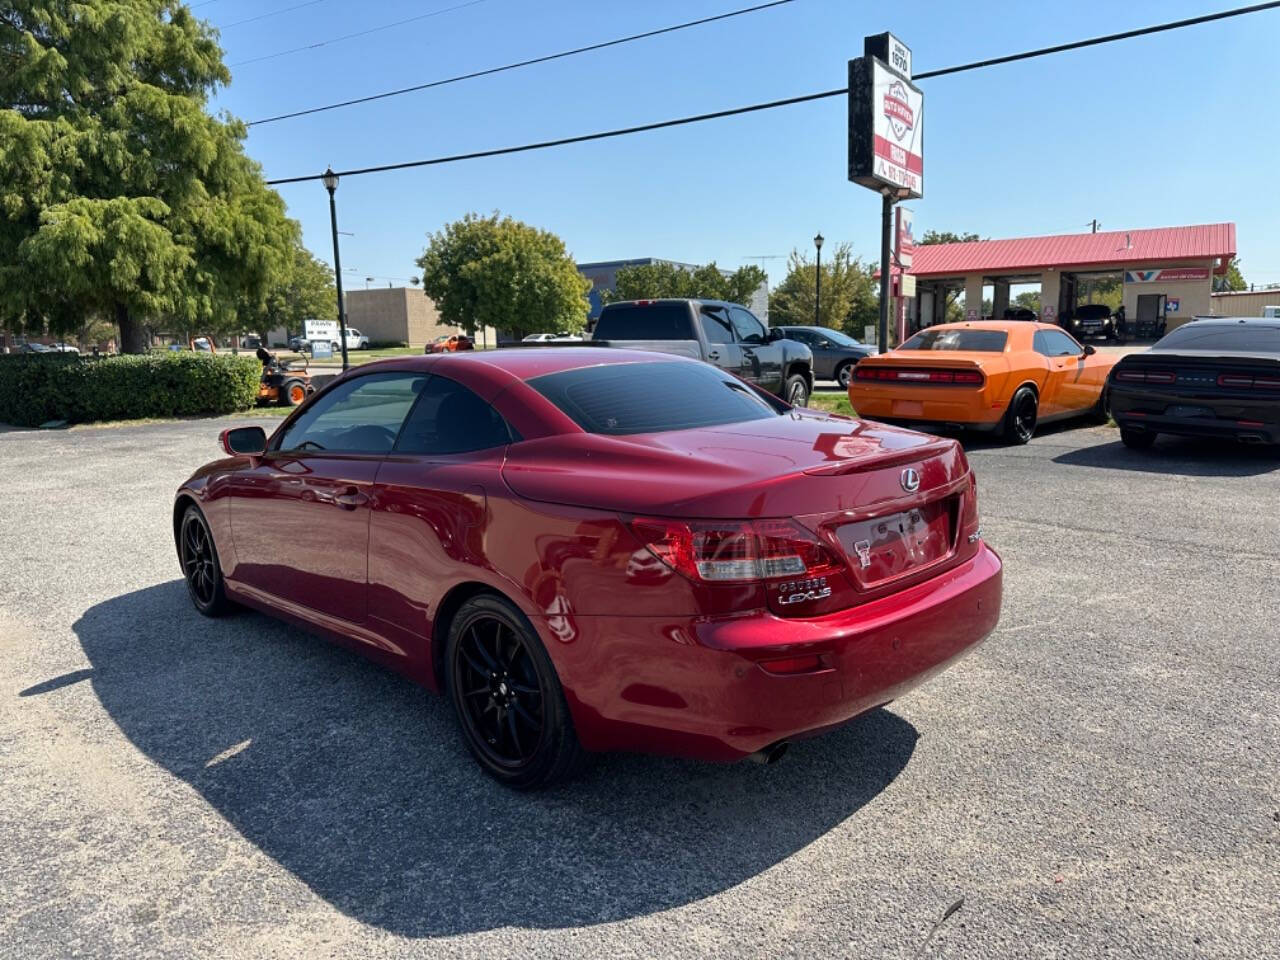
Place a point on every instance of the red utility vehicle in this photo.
(596, 550)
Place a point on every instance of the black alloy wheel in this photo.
(507, 696)
(1020, 421)
(200, 566)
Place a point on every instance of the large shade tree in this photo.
(498, 272)
(120, 195)
(850, 300)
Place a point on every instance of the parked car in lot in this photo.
(1094, 320)
(1213, 377)
(1005, 376)
(592, 550)
(835, 353)
(35, 348)
(564, 336)
(450, 343)
(727, 335)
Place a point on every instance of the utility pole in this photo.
(1095, 225)
(886, 223)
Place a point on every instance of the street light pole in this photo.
(330, 180)
(817, 295)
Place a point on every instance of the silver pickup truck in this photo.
(725, 334)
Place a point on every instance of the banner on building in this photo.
(1167, 275)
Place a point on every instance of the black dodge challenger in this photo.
(1213, 377)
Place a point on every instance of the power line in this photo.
(523, 63)
(359, 33)
(786, 101)
(271, 13)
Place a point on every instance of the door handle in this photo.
(350, 498)
(713, 356)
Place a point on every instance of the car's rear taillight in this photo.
(1146, 376)
(918, 375)
(731, 551)
(1242, 381)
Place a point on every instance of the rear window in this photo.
(651, 321)
(1243, 337)
(624, 398)
(984, 341)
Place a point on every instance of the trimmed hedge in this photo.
(37, 388)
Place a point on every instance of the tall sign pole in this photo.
(886, 140)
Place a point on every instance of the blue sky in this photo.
(1172, 129)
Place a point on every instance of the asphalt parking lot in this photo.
(1102, 778)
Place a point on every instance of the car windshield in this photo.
(983, 341)
(838, 338)
(1242, 337)
(1093, 311)
(626, 398)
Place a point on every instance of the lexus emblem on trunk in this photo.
(910, 480)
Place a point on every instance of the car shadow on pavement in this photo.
(357, 782)
(1180, 456)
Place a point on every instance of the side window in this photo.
(1060, 345)
(801, 336)
(449, 418)
(715, 324)
(750, 330)
(1040, 344)
(362, 415)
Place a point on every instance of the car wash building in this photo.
(1165, 275)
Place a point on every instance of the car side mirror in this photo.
(1089, 350)
(244, 441)
(775, 335)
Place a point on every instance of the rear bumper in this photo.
(696, 687)
(966, 408)
(1232, 417)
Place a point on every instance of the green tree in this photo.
(120, 195)
(1233, 279)
(850, 297)
(305, 291)
(946, 236)
(1029, 299)
(654, 281)
(498, 272)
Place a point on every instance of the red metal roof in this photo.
(1113, 248)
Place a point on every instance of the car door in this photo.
(300, 515)
(722, 347)
(761, 360)
(1056, 373)
(431, 506)
(1077, 390)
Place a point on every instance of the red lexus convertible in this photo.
(592, 549)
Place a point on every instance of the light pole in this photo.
(817, 297)
(330, 180)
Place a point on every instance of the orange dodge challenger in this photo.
(1004, 376)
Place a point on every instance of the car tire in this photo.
(796, 391)
(292, 393)
(844, 374)
(1137, 439)
(1020, 419)
(1101, 412)
(201, 570)
(335, 346)
(507, 697)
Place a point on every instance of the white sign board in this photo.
(908, 285)
(326, 330)
(899, 56)
(898, 130)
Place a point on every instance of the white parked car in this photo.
(562, 336)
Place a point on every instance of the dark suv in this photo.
(1093, 320)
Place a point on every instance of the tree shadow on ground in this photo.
(357, 782)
